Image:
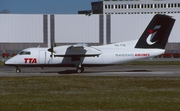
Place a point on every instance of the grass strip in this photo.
(77, 93)
(1, 63)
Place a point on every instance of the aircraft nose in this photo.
(6, 63)
(12, 61)
(9, 62)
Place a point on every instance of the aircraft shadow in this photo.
(67, 72)
(138, 71)
(74, 71)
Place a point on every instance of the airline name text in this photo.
(145, 55)
(132, 55)
(30, 60)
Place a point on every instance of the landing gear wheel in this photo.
(18, 70)
(80, 69)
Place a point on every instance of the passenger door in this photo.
(42, 57)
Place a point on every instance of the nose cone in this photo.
(7, 62)
(11, 61)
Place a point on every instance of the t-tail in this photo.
(157, 32)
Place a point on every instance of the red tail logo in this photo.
(152, 33)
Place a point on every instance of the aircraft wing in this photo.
(78, 50)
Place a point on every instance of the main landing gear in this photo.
(80, 69)
(78, 64)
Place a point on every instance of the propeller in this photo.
(52, 51)
(52, 48)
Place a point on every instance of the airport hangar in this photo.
(109, 22)
(19, 31)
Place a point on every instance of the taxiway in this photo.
(119, 70)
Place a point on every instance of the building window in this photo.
(172, 5)
(155, 5)
(122, 6)
(112, 6)
(169, 5)
(129, 6)
(109, 6)
(158, 6)
(105, 6)
(145, 6)
(175, 5)
(151, 5)
(164, 5)
(142, 5)
(132, 6)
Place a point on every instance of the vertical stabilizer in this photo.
(157, 32)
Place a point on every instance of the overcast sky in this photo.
(45, 6)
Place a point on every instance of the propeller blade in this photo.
(52, 48)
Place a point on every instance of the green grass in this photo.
(80, 93)
(1, 63)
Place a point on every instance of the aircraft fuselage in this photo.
(42, 57)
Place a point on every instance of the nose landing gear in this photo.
(18, 70)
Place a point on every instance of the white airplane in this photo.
(151, 43)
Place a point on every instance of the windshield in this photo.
(24, 53)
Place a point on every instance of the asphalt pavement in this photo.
(117, 70)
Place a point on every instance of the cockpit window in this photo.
(24, 53)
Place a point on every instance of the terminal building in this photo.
(107, 22)
(134, 7)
